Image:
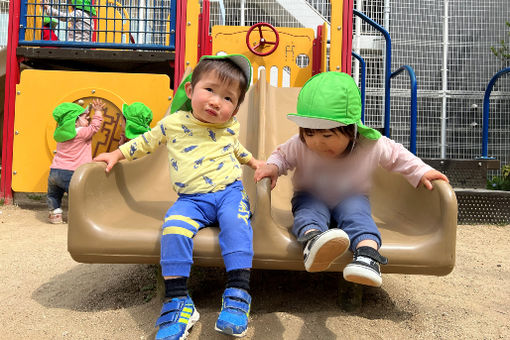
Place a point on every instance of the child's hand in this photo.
(268, 170)
(432, 175)
(110, 158)
(98, 105)
(255, 163)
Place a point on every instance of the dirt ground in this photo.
(44, 294)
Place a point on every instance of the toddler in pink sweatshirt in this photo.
(334, 157)
(74, 138)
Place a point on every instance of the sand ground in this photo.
(44, 294)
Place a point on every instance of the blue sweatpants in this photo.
(229, 207)
(353, 215)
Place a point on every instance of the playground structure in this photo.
(417, 240)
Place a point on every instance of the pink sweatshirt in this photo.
(333, 179)
(77, 151)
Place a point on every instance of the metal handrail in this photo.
(363, 82)
(486, 104)
(387, 69)
(387, 83)
(414, 101)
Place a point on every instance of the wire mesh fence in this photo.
(448, 43)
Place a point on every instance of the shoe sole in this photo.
(229, 331)
(362, 275)
(192, 320)
(328, 248)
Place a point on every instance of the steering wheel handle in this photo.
(262, 42)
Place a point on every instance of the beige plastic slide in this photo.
(117, 217)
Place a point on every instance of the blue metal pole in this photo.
(414, 106)
(486, 103)
(387, 71)
(363, 85)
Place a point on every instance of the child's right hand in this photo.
(98, 105)
(110, 158)
(268, 170)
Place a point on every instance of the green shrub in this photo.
(502, 51)
(500, 182)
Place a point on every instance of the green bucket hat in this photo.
(328, 100)
(50, 21)
(181, 100)
(138, 118)
(85, 6)
(66, 114)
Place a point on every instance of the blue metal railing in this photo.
(486, 104)
(387, 69)
(387, 83)
(363, 83)
(414, 102)
(151, 27)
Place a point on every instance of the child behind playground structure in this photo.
(205, 156)
(80, 22)
(136, 120)
(74, 136)
(334, 156)
(48, 30)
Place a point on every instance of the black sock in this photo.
(175, 288)
(239, 278)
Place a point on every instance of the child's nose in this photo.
(215, 100)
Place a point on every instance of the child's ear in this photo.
(189, 89)
(235, 111)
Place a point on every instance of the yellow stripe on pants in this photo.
(184, 219)
(178, 231)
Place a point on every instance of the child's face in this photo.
(327, 143)
(213, 101)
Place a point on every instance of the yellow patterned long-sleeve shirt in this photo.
(202, 157)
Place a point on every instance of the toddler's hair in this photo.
(227, 71)
(347, 130)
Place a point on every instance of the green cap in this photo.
(138, 118)
(85, 6)
(181, 100)
(66, 114)
(50, 21)
(328, 100)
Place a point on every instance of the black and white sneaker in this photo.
(323, 248)
(364, 269)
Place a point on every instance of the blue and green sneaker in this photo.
(177, 317)
(235, 309)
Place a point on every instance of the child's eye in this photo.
(309, 134)
(208, 89)
(326, 136)
(228, 98)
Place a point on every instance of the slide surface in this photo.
(116, 218)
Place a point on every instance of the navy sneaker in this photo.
(323, 248)
(235, 310)
(177, 317)
(364, 269)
